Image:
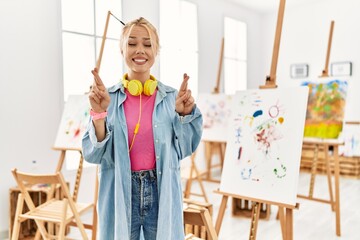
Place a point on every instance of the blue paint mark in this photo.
(258, 113)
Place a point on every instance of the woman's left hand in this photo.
(184, 101)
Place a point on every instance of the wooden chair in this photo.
(190, 174)
(93, 225)
(199, 216)
(59, 212)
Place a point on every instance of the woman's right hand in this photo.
(99, 96)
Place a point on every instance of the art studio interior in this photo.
(276, 83)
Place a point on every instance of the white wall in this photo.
(31, 84)
(211, 15)
(31, 100)
(305, 39)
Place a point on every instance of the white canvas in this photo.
(351, 137)
(263, 151)
(74, 121)
(216, 112)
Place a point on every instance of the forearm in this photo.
(94, 151)
(188, 131)
(100, 129)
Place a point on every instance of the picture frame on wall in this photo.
(341, 68)
(299, 70)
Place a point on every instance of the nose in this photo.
(140, 50)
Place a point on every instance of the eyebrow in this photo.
(132, 37)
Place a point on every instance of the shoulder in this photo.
(117, 87)
(165, 89)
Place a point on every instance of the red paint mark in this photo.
(77, 132)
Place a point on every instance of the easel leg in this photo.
(337, 192)
(289, 224)
(221, 214)
(200, 182)
(254, 220)
(222, 154)
(328, 172)
(95, 219)
(208, 155)
(282, 221)
(61, 161)
(313, 171)
(78, 177)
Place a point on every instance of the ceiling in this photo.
(269, 5)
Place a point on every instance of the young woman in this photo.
(139, 132)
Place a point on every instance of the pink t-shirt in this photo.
(142, 154)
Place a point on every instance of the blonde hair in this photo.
(154, 38)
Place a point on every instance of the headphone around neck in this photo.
(135, 87)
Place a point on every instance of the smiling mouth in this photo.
(139, 61)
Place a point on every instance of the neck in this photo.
(142, 77)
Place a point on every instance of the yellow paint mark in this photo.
(281, 119)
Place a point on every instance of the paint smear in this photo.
(258, 113)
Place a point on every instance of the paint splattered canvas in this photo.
(263, 151)
(74, 121)
(216, 111)
(325, 111)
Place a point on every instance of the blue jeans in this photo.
(145, 204)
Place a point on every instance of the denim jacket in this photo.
(175, 137)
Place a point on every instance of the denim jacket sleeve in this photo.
(188, 131)
(94, 151)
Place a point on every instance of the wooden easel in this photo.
(192, 174)
(324, 145)
(325, 72)
(98, 64)
(63, 151)
(212, 146)
(79, 169)
(286, 220)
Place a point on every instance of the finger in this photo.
(185, 96)
(190, 102)
(95, 90)
(180, 100)
(94, 98)
(97, 79)
(104, 94)
(184, 83)
(188, 95)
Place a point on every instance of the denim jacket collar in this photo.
(163, 90)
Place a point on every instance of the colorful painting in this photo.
(216, 111)
(263, 151)
(74, 121)
(325, 111)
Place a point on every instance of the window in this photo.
(235, 55)
(83, 24)
(179, 43)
